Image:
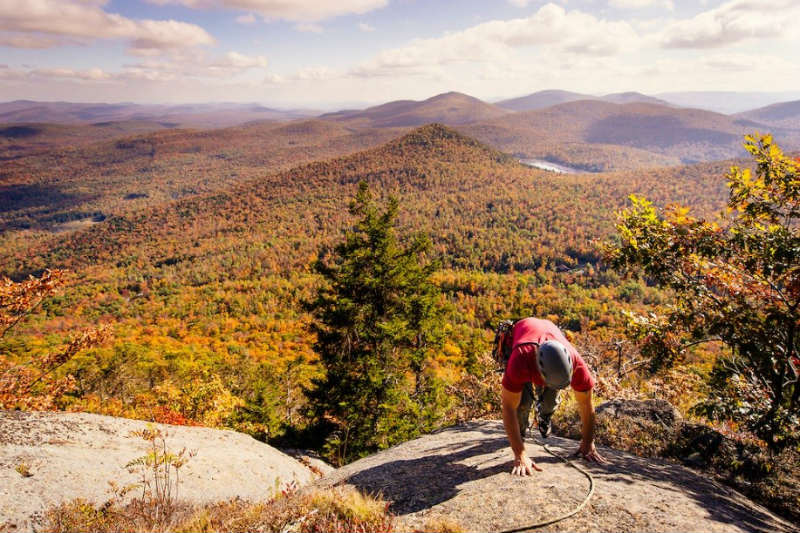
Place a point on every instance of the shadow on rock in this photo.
(415, 484)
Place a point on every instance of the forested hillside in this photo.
(483, 209)
(205, 294)
(44, 191)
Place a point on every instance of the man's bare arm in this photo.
(523, 466)
(586, 410)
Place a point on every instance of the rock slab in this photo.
(462, 474)
(71, 455)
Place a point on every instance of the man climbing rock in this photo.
(539, 354)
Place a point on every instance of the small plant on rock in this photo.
(159, 477)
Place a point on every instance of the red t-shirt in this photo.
(521, 366)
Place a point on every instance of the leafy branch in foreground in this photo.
(34, 384)
(736, 280)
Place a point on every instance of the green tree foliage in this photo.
(378, 324)
(736, 280)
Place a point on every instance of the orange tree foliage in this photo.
(735, 280)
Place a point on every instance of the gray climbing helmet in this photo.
(554, 364)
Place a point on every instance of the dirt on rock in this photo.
(462, 474)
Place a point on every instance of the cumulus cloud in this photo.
(239, 61)
(193, 64)
(246, 19)
(309, 27)
(315, 74)
(48, 23)
(363, 26)
(639, 4)
(551, 26)
(25, 40)
(94, 74)
(733, 22)
(54, 74)
(294, 10)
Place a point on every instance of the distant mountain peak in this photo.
(433, 133)
(631, 97)
(542, 99)
(449, 108)
(451, 95)
(438, 138)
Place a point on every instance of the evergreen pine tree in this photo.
(377, 321)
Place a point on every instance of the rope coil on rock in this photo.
(566, 515)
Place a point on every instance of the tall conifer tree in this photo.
(378, 322)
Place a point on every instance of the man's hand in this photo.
(523, 466)
(590, 453)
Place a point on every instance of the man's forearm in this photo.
(586, 410)
(587, 426)
(512, 431)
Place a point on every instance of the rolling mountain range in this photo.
(596, 135)
(727, 101)
(186, 115)
(785, 115)
(542, 99)
(621, 131)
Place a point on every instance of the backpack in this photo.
(501, 350)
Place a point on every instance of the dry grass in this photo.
(442, 524)
(333, 510)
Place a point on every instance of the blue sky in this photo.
(325, 54)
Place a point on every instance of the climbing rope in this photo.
(572, 512)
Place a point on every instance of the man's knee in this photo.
(547, 400)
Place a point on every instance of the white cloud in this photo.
(294, 10)
(193, 64)
(94, 74)
(48, 23)
(315, 74)
(309, 27)
(54, 74)
(246, 19)
(519, 3)
(733, 22)
(235, 60)
(565, 32)
(26, 40)
(639, 4)
(363, 26)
